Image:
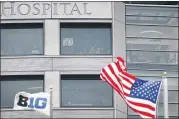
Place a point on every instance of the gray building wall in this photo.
(52, 65)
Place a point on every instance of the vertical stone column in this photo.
(52, 78)
(119, 49)
(52, 37)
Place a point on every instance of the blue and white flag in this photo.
(37, 101)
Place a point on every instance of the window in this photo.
(21, 39)
(11, 85)
(86, 39)
(85, 91)
(152, 48)
(153, 2)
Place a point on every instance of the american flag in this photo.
(140, 95)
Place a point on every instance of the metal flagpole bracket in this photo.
(165, 94)
(51, 102)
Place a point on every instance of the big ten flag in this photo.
(37, 101)
(140, 95)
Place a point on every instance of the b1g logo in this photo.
(38, 103)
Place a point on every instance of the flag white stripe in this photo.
(107, 79)
(116, 81)
(126, 77)
(141, 101)
(102, 77)
(139, 108)
(144, 116)
(111, 82)
(126, 90)
(117, 73)
(114, 78)
(124, 85)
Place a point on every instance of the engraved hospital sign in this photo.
(28, 10)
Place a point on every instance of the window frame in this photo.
(23, 78)
(79, 107)
(26, 23)
(86, 23)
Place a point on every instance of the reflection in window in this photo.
(21, 39)
(152, 11)
(173, 110)
(152, 31)
(11, 85)
(90, 39)
(85, 91)
(165, 21)
(151, 73)
(152, 44)
(172, 96)
(152, 57)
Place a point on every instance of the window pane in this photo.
(91, 39)
(151, 31)
(166, 21)
(152, 11)
(11, 85)
(153, 73)
(172, 96)
(152, 57)
(21, 39)
(172, 108)
(140, 66)
(151, 44)
(86, 92)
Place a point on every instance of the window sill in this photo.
(62, 108)
(58, 56)
(84, 108)
(11, 109)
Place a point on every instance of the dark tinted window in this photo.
(21, 39)
(90, 39)
(85, 91)
(11, 85)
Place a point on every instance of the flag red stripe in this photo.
(119, 80)
(103, 78)
(112, 70)
(142, 105)
(113, 86)
(113, 83)
(143, 113)
(126, 87)
(125, 81)
(126, 74)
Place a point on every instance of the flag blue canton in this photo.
(147, 90)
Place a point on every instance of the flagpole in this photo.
(115, 107)
(157, 109)
(165, 94)
(51, 102)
